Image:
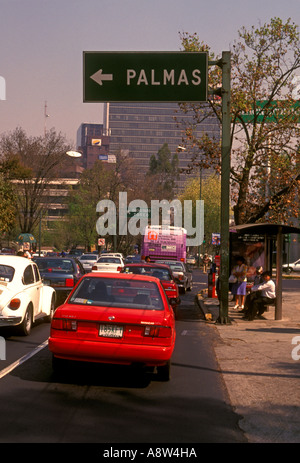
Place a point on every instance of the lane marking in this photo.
(23, 359)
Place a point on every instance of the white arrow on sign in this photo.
(99, 77)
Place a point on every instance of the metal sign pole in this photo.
(225, 187)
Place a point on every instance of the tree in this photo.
(7, 206)
(265, 131)
(94, 184)
(164, 170)
(210, 194)
(30, 163)
(102, 181)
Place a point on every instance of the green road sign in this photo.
(145, 76)
(275, 111)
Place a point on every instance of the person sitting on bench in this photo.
(266, 297)
(258, 279)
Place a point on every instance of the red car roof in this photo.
(122, 276)
(147, 264)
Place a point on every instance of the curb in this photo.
(200, 302)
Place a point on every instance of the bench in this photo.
(272, 303)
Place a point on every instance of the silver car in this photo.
(181, 272)
(87, 261)
(292, 267)
(191, 260)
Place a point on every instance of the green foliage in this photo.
(211, 195)
(30, 164)
(7, 206)
(264, 151)
(164, 169)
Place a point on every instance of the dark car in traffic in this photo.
(62, 273)
(160, 271)
(182, 274)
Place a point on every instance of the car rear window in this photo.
(176, 266)
(54, 265)
(6, 273)
(109, 260)
(113, 292)
(161, 273)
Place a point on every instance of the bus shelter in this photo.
(268, 233)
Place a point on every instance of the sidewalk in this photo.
(259, 371)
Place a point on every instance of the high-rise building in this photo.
(93, 144)
(143, 128)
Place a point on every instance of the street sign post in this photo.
(166, 77)
(145, 76)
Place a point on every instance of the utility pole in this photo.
(225, 186)
(45, 118)
(225, 64)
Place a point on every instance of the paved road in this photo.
(101, 404)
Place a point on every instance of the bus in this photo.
(159, 243)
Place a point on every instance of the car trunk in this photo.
(115, 325)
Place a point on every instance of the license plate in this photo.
(111, 331)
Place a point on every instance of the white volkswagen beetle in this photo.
(23, 296)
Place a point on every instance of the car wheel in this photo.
(52, 310)
(164, 371)
(26, 325)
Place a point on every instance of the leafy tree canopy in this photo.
(265, 121)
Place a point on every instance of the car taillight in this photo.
(69, 282)
(64, 324)
(180, 277)
(14, 304)
(94, 267)
(119, 269)
(158, 331)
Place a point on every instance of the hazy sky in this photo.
(41, 45)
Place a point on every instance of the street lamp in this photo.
(74, 154)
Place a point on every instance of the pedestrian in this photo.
(252, 295)
(147, 259)
(266, 297)
(239, 288)
(205, 262)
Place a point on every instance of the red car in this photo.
(160, 271)
(119, 319)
